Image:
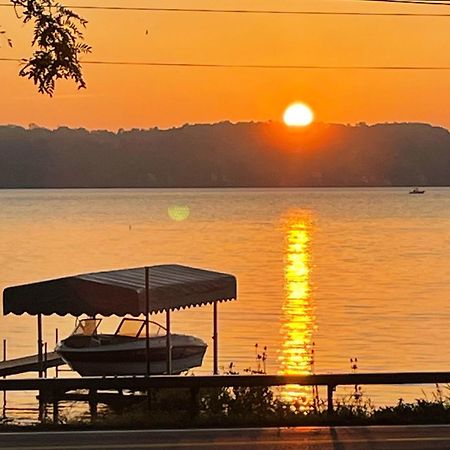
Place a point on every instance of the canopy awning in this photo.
(121, 292)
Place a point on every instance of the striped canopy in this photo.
(121, 292)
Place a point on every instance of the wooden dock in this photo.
(29, 364)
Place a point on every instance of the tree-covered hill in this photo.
(226, 154)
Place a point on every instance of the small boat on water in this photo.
(91, 353)
(417, 190)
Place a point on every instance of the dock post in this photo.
(330, 389)
(215, 341)
(168, 343)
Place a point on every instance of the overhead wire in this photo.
(248, 11)
(246, 66)
(412, 2)
(260, 11)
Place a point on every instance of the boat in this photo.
(91, 353)
(416, 190)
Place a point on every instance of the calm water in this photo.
(351, 272)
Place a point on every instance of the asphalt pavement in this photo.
(315, 438)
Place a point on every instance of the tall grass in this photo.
(263, 406)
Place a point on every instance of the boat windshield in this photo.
(87, 327)
(136, 328)
(130, 327)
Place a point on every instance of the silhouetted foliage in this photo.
(58, 40)
(249, 407)
(225, 154)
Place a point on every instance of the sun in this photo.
(298, 115)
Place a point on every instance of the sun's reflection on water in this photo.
(298, 320)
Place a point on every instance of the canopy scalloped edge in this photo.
(121, 292)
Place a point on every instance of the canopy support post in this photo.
(40, 345)
(40, 366)
(147, 318)
(215, 341)
(168, 343)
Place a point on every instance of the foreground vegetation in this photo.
(254, 407)
(249, 407)
(224, 407)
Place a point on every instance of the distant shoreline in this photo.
(66, 188)
(226, 155)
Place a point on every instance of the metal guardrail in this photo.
(54, 388)
(178, 381)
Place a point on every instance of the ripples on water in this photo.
(296, 355)
(324, 274)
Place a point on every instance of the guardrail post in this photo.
(55, 395)
(330, 389)
(195, 401)
(93, 402)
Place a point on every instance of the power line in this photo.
(412, 2)
(251, 11)
(245, 66)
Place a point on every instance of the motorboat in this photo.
(124, 352)
(416, 190)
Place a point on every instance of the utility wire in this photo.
(412, 2)
(249, 11)
(245, 66)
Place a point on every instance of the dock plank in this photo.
(29, 364)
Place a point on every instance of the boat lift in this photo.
(136, 291)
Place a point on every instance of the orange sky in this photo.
(142, 97)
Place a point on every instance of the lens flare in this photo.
(178, 212)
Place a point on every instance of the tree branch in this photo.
(59, 43)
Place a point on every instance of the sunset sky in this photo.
(143, 97)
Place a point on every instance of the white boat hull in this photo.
(87, 369)
(129, 357)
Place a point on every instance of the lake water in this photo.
(349, 272)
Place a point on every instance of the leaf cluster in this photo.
(59, 43)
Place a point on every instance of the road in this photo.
(314, 438)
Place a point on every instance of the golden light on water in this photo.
(297, 351)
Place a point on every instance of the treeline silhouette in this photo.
(226, 154)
